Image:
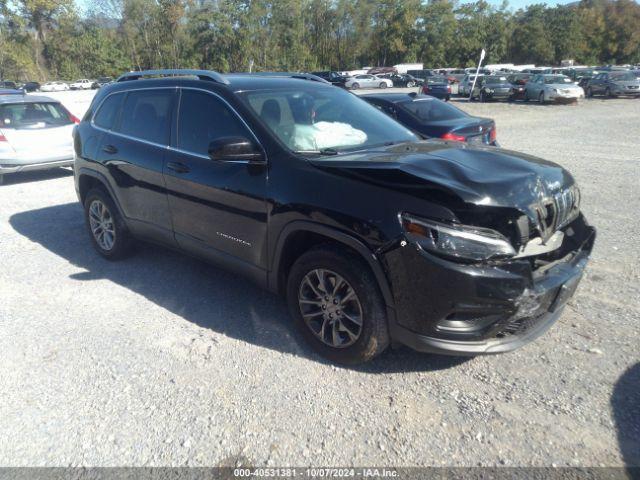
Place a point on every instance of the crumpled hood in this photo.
(486, 176)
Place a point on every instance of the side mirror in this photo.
(235, 149)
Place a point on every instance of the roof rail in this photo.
(301, 76)
(201, 74)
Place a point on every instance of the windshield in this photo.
(432, 109)
(624, 77)
(557, 79)
(33, 115)
(495, 79)
(311, 119)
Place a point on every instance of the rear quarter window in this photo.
(108, 111)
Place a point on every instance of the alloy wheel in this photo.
(330, 308)
(102, 225)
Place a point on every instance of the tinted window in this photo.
(204, 118)
(147, 115)
(432, 109)
(33, 115)
(108, 111)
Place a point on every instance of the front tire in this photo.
(109, 234)
(355, 86)
(335, 300)
(411, 84)
(383, 85)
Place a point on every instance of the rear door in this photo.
(134, 151)
(218, 208)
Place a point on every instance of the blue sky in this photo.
(516, 4)
(513, 4)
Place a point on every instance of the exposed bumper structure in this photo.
(483, 309)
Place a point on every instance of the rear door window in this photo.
(204, 118)
(108, 111)
(147, 115)
(36, 115)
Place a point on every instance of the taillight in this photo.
(2, 137)
(448, 88)
(72, 118)
(453, 136)
(492, 134)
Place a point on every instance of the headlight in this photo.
(457, 241)
(489, 90)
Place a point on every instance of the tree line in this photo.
(44, 39)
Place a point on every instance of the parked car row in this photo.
(57, 86)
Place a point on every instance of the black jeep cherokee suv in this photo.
(373, 235)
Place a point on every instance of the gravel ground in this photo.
(164, 360)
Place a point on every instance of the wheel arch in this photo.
(89, 179)
(299, 236)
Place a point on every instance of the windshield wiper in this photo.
(322, 151)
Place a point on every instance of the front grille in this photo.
(530, 313)
(519, 326)
(558, 211)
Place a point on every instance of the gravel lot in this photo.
(164, 360)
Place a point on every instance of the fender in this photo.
(338, 235)
(102, 179)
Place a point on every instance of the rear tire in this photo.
(109, 234)
(312, 297)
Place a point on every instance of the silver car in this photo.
(367, 81)
(466, 83)
(35, 134)
(613, 84)
(552, 88)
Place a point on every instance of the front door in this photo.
(218, 208)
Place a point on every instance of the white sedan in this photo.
(35, 134)
(54, 87)
(367, 81)
(82, 84)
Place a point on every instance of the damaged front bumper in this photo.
(461, 309)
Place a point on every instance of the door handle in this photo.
(110, 149)
(178, 167)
